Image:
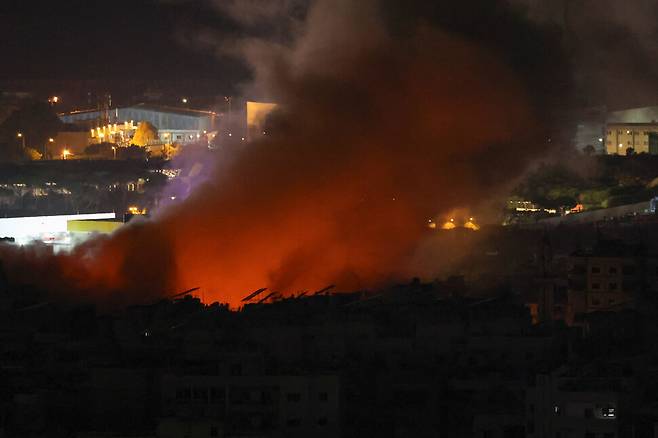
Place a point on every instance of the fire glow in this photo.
(369, 141)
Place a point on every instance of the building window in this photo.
(590, 435)
(322, 421)
(323, 396)
(608, 412)
(596, 286)
(612, 286)
(612, 270)
(294, 422)
(556, 410)
(200, 393)
(217, 394)
(596, 270)
(213, 431)
(236, 369)
(596, 302)
(293, 397)
(183, 393)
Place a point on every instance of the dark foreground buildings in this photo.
(545, 353)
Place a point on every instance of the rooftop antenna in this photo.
(187, 292)
(321, 291)
(253, 294)
(266, 297)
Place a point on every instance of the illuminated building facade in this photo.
(570, 403)
(622, 138)
(257, 113)
(175, 125)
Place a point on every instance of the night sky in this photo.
(178, 40)
(120, 39)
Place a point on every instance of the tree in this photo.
(36, 122)
(132, 153)
(589, 150)
(145, 134)
(101, 150)
(32, 154)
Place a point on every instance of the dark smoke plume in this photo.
(613, 46)
(382, 125)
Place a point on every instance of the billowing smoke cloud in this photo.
(613, 46)
(378, 131)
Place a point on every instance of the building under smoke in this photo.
(176, 125)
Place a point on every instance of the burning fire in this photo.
(372, 137)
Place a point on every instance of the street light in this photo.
(45, 149)
(114, 150)
(228, 100)
(22, 137)
(184, 100)
(65, 153)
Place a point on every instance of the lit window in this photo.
(293, 396)
(608, 412)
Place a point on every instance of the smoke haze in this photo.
(613, 46)
(378, 131)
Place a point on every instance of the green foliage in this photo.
(610, 181)
(100, 150)
(132, 153)
(594, 198)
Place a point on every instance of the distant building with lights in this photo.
(175, 125)
(257, 114)
(636, 137)
(612, 132)
(72, 138)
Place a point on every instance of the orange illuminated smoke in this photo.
(371, 137)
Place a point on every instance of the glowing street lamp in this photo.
(114, 150)
(184, 100)
(45, 149)
(65, 153)
(22, 137)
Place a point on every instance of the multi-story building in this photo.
(175, 125)
(570, 403)
(256, 405)
(603, 278)
(622, 138)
